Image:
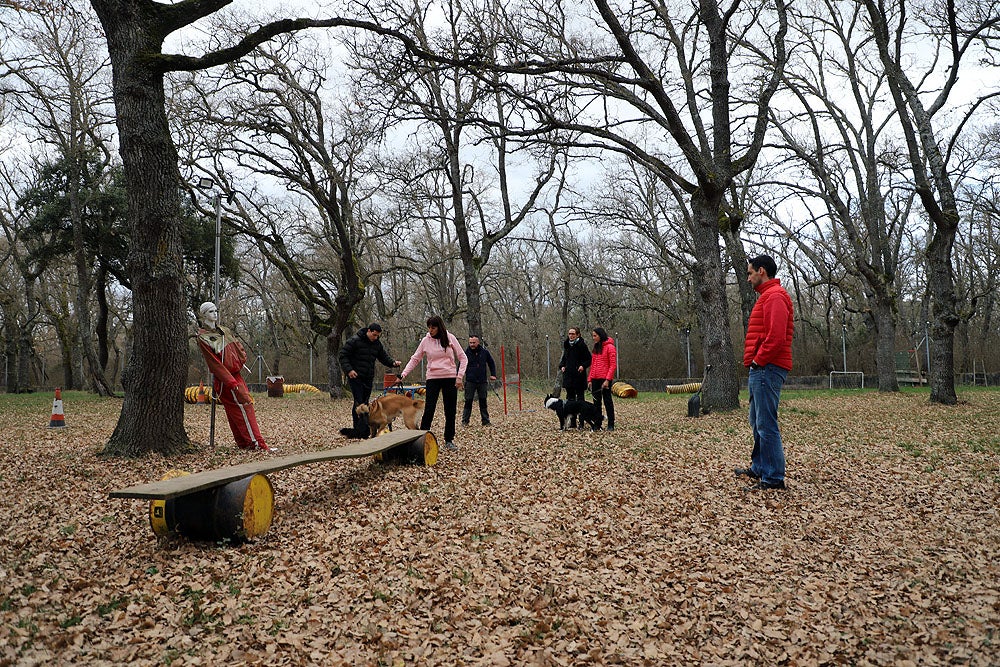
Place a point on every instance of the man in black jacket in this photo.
(357, 360)
(475, 379)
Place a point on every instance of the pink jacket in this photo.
(441, 362)
(604, 363)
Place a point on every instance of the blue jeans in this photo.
(768, 457)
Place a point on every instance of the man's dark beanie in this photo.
(375, 326)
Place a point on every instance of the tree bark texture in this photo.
(884, 316)
(334, 341)
(944, 318)
(722, 388)
(152, 417)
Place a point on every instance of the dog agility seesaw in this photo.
(237, 502)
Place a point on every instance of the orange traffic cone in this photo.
(201, 397)
(58, 420)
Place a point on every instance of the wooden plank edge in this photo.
(208, 479)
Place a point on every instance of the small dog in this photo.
(586, 412)
(386, 408)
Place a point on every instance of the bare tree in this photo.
(276, 120)
(464, 112)
(659, 70)
(59, 67)
(18, 299)
(152, 418)
(947, 34)
(841, 133)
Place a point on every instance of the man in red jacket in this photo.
(767, 354)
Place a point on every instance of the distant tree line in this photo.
(517, 168)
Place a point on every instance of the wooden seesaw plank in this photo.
(179, 486)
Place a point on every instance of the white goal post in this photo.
(859, 373)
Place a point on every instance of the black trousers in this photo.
(472, 391)
(361, 390)
(605, 396)
(449, 396)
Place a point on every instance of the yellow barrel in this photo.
(238, 511)
(158, 508)
(422, 450)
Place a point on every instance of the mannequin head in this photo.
(208, 314)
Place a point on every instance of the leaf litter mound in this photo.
(528, 546)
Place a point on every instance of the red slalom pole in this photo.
(503, 379)
(517, 350)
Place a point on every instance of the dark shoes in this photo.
(611, 427)
(764, 486)
(487, 424)
(746, 471)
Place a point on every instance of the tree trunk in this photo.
(84, 327)
(738, 256)
(65, 335)
(9, 346)
(101, 327)
(24, 341)
(722, 388)
(334, 342)
(152, 416)
(470, 262)
(944, 317)
(22, 379)
(884, 317)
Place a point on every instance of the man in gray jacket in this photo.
(480, 365)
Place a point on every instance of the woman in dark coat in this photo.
(574, 364)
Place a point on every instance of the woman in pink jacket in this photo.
(603, 362)
(446, 362)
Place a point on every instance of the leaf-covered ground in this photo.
(527, 546)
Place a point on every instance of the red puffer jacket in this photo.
(771, 326)
(604, 363)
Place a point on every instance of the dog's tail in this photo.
(361, 409)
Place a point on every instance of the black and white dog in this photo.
(585, 411)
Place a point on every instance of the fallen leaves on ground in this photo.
(527, 546)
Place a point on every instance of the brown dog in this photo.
(384, 409)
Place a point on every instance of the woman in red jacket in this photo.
(604, 361)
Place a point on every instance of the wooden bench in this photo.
(910, 377)
(236, 503)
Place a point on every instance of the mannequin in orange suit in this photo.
(225, 357)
